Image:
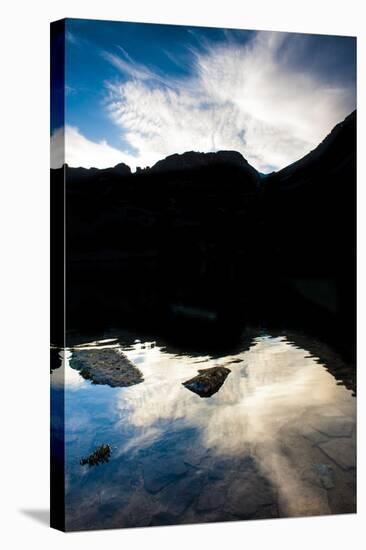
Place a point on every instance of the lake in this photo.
(278, 439)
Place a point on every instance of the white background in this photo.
(24, 271)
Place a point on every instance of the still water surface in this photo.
(276, 440)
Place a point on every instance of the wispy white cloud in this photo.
(249, 98)
(129, 67)
(70, 90)
(70, 146)
(70, 37)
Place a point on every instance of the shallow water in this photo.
(276, 440)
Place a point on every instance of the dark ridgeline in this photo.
(309, 213)
(200, 245)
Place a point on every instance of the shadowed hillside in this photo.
(309, 212)
(202, 244)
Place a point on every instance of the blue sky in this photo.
(137, 92)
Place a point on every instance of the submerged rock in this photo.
(208, 381)
(160, 472)
(106, 366)
(99, 456)
(248, 495)
(325, 475)
(340, 450)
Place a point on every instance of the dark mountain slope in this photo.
(201, 240)
(309, 219)
(142, 245)
(97, 175)
(338, 147)
(309, 207)
(191, 160)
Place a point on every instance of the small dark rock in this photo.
(208, 381)
(101, 455)
(106, 366)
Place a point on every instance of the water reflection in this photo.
(277, 439)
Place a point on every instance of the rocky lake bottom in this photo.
(275, 437)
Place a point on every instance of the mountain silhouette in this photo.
(97, 174)
(205, 232)
(192, 160)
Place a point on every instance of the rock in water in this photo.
(99, 456)
(208, 381)
(106, 366)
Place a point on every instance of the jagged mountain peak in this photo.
(195, 159)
